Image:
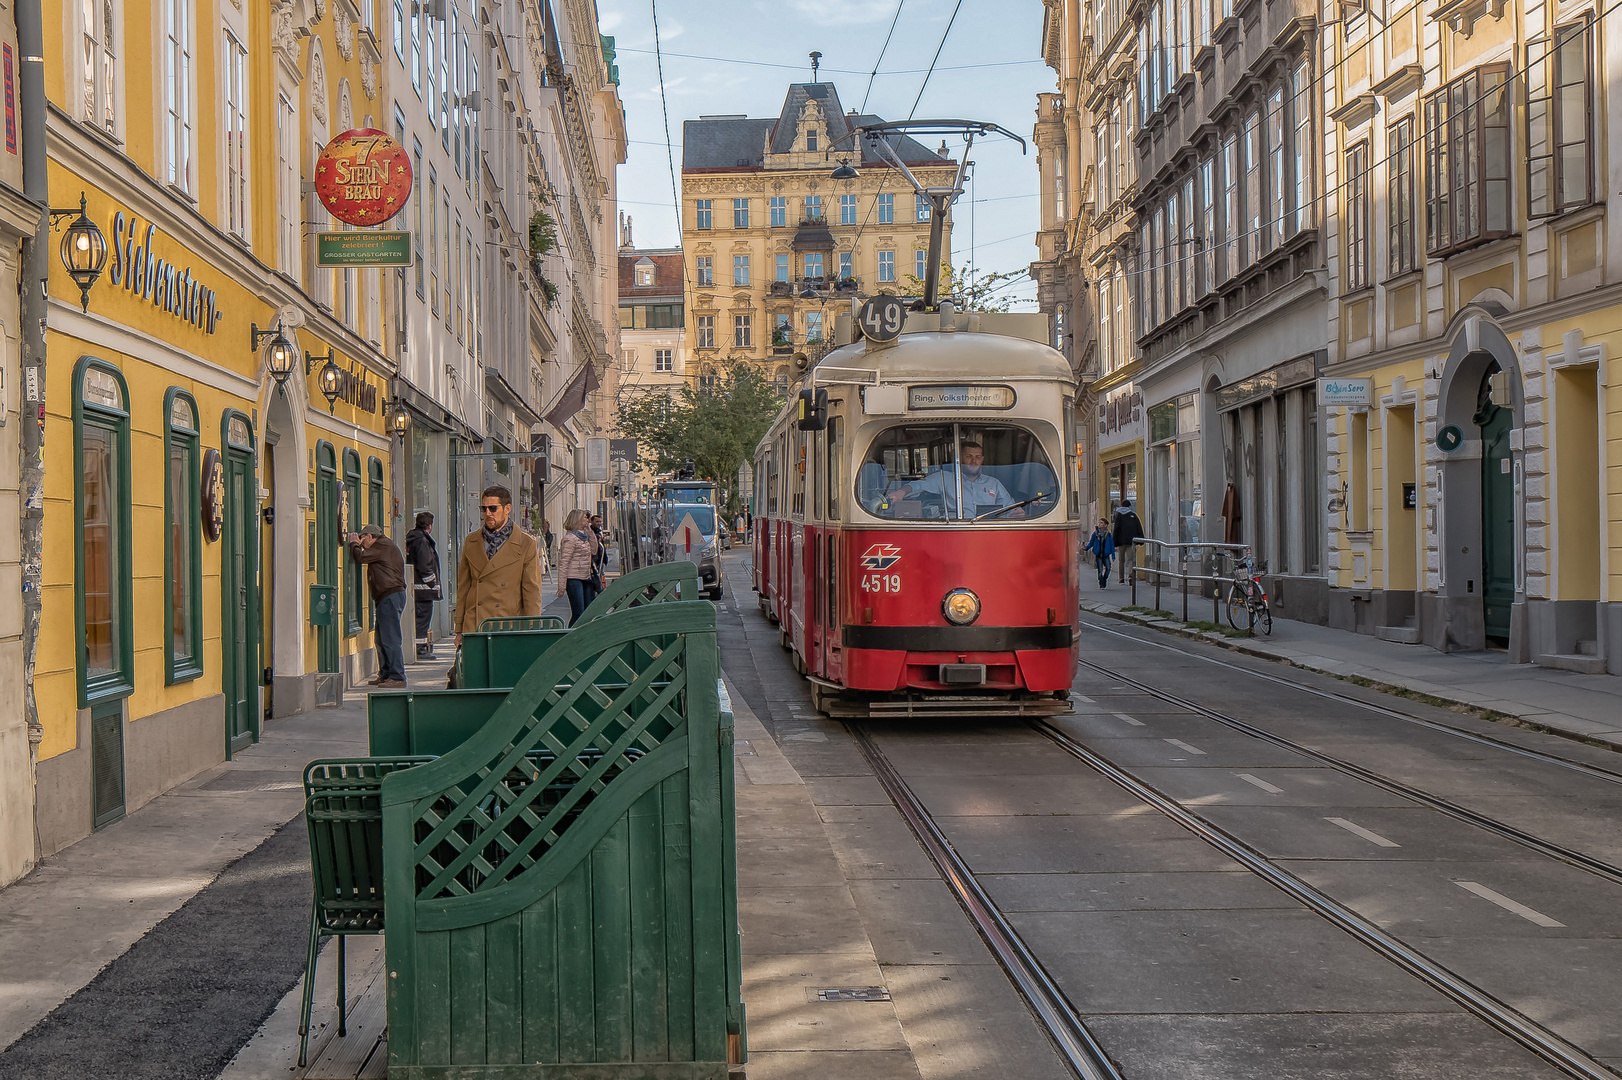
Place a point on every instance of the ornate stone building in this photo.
(774, 247)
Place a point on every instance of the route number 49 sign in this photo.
(881, 318)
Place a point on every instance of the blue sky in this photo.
(989, 69)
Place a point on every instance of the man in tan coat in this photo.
(499, 576)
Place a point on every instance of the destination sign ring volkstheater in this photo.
(363, 177)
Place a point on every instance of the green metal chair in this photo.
(345, 819)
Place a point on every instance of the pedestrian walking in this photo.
(385, 578)
(599, 561)
(577, 552)
(546, 534)
(1127, 531)
(423, 556)
(1102, 545)
(499, 575)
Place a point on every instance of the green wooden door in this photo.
(1497, 521)
(238, 588)
(326, 551)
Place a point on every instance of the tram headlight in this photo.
(961, 607)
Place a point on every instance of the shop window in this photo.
(354, 578)
(101, 439)
(182, 540)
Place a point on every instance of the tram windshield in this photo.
(957, 472)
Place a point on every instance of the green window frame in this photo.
(182, 540)
(354, 580)
(101, 543)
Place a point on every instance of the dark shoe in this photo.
(392, 684)
(374, 680)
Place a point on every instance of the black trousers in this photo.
(425, 615)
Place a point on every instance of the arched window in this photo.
(376, 514)
(354, 580)
(101, 539)
(182, 539)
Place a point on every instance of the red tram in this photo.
(918, 523)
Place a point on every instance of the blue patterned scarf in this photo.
(494, 539)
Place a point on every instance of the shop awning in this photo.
(573, 397)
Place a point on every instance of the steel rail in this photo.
(1052, 1008)
(1547, 1045)
(1596, 866)
(1594, 771)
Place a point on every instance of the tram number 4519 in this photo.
(881, 583)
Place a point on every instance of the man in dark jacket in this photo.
(423, 555)
(1128, 530)
(385, 577)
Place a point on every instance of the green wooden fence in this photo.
(561, 887)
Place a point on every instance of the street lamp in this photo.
(845, 171)
(279, 358)
(399, 419)
(331, 378)
(84, 249)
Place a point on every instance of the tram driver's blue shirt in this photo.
(980, 489)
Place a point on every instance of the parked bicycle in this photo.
(1247, 600)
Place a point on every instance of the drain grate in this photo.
(853, 993)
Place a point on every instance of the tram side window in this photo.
(913, 472)
(836, 446)
(796, 474)
(772, 485)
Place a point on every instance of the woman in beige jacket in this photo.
(575, 555)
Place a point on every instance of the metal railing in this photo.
(1162, 574)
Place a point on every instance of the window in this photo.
(706, 331)
(1206, 240)
(433, 241)
(177, 91)
(813, 264)
(920, 263)
(782, 268)
(287, 186)
(780, 382)
(663, 360)
(844, 266)
(644, 276)
(416, 50)
(627, 359)
(1467, 150)
(811, 139)
(416, 213)
(399, 31)
(1304, 148)
(886, 208)
(444, 85)
(235, 62)
(100, 65)
(740, 269)
(1277, 188)
(103, 602)
(1357, 216)
(354, 577)
(703, 214)
(886, 266)
(1401, 246)
(1559, 119)
(920, 207)
(847, 209)
(783, 330)
(706, 270)
(740, 213)
(707, 380)
(813, 326)
(1157, 249)
(910, 472)
(1231, 213)
(183, 564)
(1187, 248)
(1254, 238)
(779, 209)
(1106, 342)
(741, 336)
(813, 208)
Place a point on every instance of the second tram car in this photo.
(918, 521)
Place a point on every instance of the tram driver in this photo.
(982, 492)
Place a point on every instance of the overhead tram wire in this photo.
(875, 72)
(931, 71)
(670, 147)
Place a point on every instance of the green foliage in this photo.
(717, 428)
(543, 233)
(973, 291)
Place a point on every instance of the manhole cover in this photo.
(853, 993)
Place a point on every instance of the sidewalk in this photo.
(1583, 706)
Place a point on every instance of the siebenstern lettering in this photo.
(137, 267)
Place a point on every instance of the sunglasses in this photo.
(496, 509)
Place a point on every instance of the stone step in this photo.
(1402, 635)
(1588, 648)
(1579, 662)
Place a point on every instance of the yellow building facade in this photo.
(192, 578)
(775, 248)
(1475, 239)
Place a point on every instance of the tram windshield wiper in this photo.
(1013, 506)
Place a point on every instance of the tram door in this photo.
(239, 589)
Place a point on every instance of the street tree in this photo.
(973, 291)
(715, 424)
